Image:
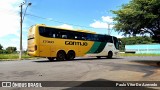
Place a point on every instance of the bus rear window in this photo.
(44, 32)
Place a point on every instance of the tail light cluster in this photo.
(35, 47)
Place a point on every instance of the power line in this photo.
(58, 21)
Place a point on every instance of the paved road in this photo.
(82, 69)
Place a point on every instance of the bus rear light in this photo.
(35, 47)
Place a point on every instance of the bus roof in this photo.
(77, 30)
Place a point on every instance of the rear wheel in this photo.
(110, 54)
(98, 57)
(50, 59)
(70, 55)
(61, 55)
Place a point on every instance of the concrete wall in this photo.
(144, 48)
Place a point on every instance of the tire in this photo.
(51, 59)
(98, 57)
(110, 54)
(61, 55)
(70, 55)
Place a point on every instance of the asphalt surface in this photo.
(82, 69)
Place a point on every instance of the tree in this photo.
(11, 49)
(139, 17)
(1, 47)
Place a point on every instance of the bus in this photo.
(66, 44)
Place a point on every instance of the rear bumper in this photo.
(32, 54)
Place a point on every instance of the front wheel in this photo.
(98, 57)
(110, 54)
(61, 55)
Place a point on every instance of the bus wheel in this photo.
(50, 59)
(70, 55)
(110, 54)
(98, 57)
(61, 55)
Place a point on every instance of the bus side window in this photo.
(95, 37)
(78, 35)
(54, 35)
(101, 38)
(84, 36)
(63, 34)
(58, 34)
(41, 31)
(46, 32)
(89, 37)
(70, 35)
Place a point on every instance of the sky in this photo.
(92, 15)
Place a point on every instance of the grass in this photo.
(132, 54)
(13, 56)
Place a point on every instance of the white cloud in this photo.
(105, 22)
(9, 17)
(108, 19)
(66, 26)
(99, 24)
(10, 23)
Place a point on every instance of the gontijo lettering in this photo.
(76, 43)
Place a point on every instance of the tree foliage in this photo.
(11, 49)
(1, 47)
(139, 17)
(8, 50)
(134, 40)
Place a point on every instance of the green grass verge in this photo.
(132, 54)
(13, 56)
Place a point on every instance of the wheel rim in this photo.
(61, 56)
(110, 55)
(71, 55)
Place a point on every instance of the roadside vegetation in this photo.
(11, 53)
(132, 54)
(139, 17)
(14, 56)
(135, 40)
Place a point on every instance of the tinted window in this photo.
(62, 34)
(78, 35)
(109, 39)
(102, 38)
(43, 32)
(66, 34)
(70, 35)
(47, 32)
(116, 43)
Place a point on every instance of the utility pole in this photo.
(20, 51)
(108, 29)
(21, 21)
